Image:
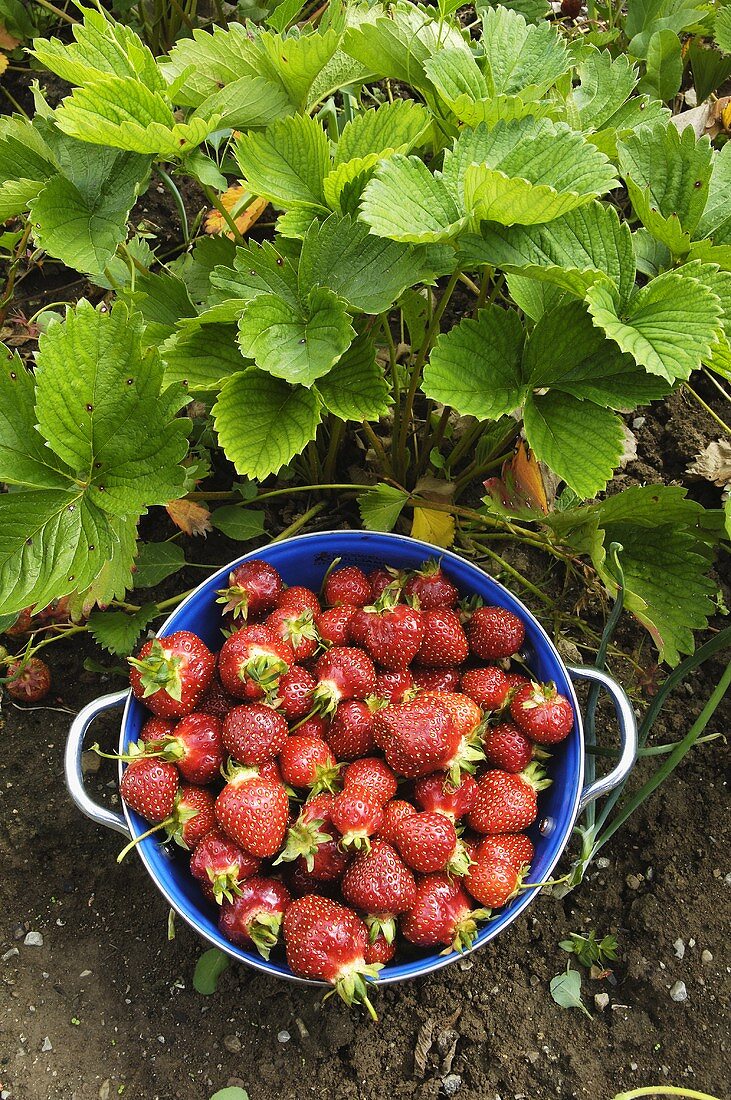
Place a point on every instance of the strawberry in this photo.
(255, 916)
(489, 687)
(308, 762)
(195, 745)
(254, 733)
(297, 629)
(220, 866)
(254, 587)
(445, 642)
(294, 693)
(253, 811)
(28, 680)
(332, 625)
(545, 715)
(312, 726)
(417, 738)
(357, 814)
(492, 882)
(215, 701)
(436, 679)
(380, 884)
(429, 842)
(395, 636)
(507, 747)
(570, 8)
(170, 674)
(507, 803)
(149, 787)
(515, 849)
(393, 812)
(190, 820)
(371, 773)
(467, 721)
(252, 661)
(269, 770)
(299, 598)
(343, 673)
(307, 834)
(300, 882)
(495, 632)
(359, 626)
(515, 680)
(351, 730)
(380, 951)
(157, 729)
(326, 941)
(431, 587)
(380, 579)
(348, 585)
(395, 687)
(442, 914)
(436, 794)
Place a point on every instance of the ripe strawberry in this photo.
(380, 579)
(347, 585)
(429, 842)
(170, 674)
(307, 833)
(359, 626)
(445, 642)
(254, 733)
(371, 773)
(417, 738)
(297, 629)
(357, 814)
(436, 794)
(351, 730)
(515, 849)
(395, 635)
(253, 588)
(312, 726)
(157, 729)
(395, 687)
(436, 679)
(495, 632)
(299, 598)
(294, 693)
(332, 625)
(149, 787)
(545, 715)
(252, 661)
(467, 721)
(515, 680)
(489, 687)
(442, 914)
(195, 745)
(492, 882)
(253, 811)
(269, 770)
(29, 680)
(380, 951)
(215, 701)
(570, 8)
(300, 882)
(507, 747)
(393, 812)
(343, 673)
(308, 762)
(191, 818)
(431, 587)
(326, 942)
(380, 884)
(255, 916)
(220, 866)
(507, 803)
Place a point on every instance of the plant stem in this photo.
(301, 522)
(178, 200)
(337, 431)
(722, 424)
(712, 378)
(511, 571)
(10, 282)
(470, 284)
(56, 11)
(215, 200)
(468, 440)
(654, 750)
(375, 442)
(664, 1090)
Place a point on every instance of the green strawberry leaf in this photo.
(26, 163)
(605, 83)
(405, 202)
(518, 55)
(239, 522)
(298, 344)
(381, 506)
(287, 163)
(356, 387)
(202, 356)
(580, 441)
(565, 989)
(398, 44)
(715, 221)
(101, 48)
(208, 970)
(722, 29)
(262, 422)
(156, 561)
(392, 126)
(118, 631)
(476, 366)
(664, 66)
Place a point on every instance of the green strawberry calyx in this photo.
(351, 984)
(160, 670)
(263, 929)
(465, 931)
(303, 839)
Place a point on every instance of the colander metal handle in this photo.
(627, 734)
(72, 762)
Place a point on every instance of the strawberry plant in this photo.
(524, 245)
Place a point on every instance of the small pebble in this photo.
(706, 956)
(601, 1000)
(633, 1066)
(603, 862)
(46, 1045)
(451, 1084)
(33, 939)
(9, 954)
(232, 1043)
(85, 974)
(678, 992)
(691, 942)
(533, 1056)
(283, 1037)
(679, 948)
(633, 881)
(638, 422)
(105, 1089)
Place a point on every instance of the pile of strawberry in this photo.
(380, 764)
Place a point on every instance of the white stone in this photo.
(601, 1000)
(679, 948)
(283, 1037)
(678, 992)
(33, 939)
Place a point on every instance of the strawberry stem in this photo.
(143, 836)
